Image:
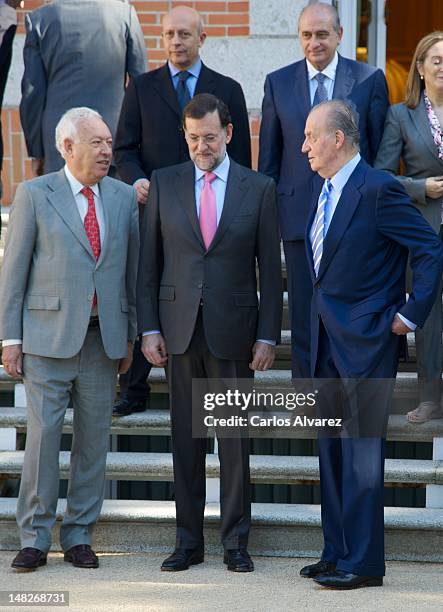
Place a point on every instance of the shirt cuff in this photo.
(11, 342)
(270, 342)
(149, 333)
(412, 326)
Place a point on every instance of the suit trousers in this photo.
(300, 293)
(428, 344)
(189, 453)
(89, 378)
(351, 487)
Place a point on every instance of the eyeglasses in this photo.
(208, 139)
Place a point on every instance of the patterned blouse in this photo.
(435, 126)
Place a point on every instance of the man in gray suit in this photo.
(207, 223)
(77, 53)
(67, 320)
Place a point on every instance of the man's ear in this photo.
(339, 139)
(229, 129)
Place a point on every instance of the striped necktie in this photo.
(321, 95)
(318, 234)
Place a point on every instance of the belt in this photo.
(94, 322)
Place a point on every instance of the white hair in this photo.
(67, 127)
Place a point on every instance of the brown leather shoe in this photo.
(81, 555)
(29, 559)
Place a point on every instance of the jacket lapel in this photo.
(347, 204)
(420, 119)
(344, 79)
(236, 188)
(110, 212)
(61, 198)
(302, 94)
(206, 81)
(165, 88)
(184, 184)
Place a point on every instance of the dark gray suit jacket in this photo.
(76, 54)
(407, 136)
(176, 271)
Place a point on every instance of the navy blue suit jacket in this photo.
(361, 280)
(286, 105)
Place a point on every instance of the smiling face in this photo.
(88, 155)
(182, 36)
(431, 69)
(318, 38)
(322, 144)
(207, 140)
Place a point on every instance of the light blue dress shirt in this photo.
(191, 82)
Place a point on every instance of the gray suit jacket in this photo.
(49, 273)
(176, 271)
(76, 54)
(407, 136)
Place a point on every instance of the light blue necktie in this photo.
(321, 95)
(318, 234)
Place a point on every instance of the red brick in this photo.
(151, 7)
(17, 157)
(215, 31)
(16, 126)
(210, 7)
(240, 31)
(148, 18)
(152, 30)
(152, 43)
(227, 18)
(238, 7)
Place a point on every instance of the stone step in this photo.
(265, 469)
(157, 423)
(405, 396)
(278, 530)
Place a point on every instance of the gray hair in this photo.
(67, 127)
(327, 7)
(342, 116)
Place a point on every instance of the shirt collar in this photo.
(340, 179)
(194, 69)
(221, 171)
(75, 184)
(329, 71)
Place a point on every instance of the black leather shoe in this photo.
(182, 558)
(125, 407)
(322, 567)
(28, 560)
(81, 555)
(238, 560)
(345, 580)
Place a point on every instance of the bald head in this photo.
(320, 33)
(183, 36)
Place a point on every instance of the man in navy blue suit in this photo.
(361, 228)
(290, 94)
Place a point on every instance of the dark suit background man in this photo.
(67, 321)
(289, 95)
(197, 306)
(76, 54)
(8, 27)
(150, 135)
(361, 228)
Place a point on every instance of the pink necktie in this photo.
(208, 210)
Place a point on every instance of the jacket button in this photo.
(90, 297)
(200, 285)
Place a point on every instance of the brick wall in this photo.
(222, 19)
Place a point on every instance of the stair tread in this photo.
(157, 422)
(262, 513)
(276, 468)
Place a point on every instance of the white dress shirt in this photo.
(82, 207)
(329, 82)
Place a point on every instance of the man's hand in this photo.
(263, 356)
(37, 167)
(125, 363)
(142, 188)
(154, 349)
(434, 187)
(12, 358)
(398, 327)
